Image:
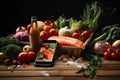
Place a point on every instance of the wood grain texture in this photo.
(61, 71)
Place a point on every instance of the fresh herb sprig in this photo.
(90, 71)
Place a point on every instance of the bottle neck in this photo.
(34, 21)
(34, 24)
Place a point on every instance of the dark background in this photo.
(16, 13)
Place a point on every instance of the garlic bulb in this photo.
(65, 31)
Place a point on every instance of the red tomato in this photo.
(117, 50)
(53, 32)
(75, 35)
(47, 28)
(115, 56)
(28, 27)
(32, 55)
(107, 55)
(109, 50)
(43, 35)
(24, 57)
(85, 34)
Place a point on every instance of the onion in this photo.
(22, 36)
(101, 46)
(116, 44)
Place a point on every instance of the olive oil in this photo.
(34, 35)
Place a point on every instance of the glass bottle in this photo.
(34, 35)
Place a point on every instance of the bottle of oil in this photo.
(34, 35)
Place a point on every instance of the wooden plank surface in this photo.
(57, 78)
(59, 71)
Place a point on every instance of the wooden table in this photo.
(110, 70)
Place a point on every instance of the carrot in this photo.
(67, 41)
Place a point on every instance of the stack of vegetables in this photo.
(67, 32)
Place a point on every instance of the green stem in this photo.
(101, 37)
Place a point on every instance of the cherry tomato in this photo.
(53, 32)
(48, 22)
(107, 55)
(44, 35)
(115, 56)
(24, 57)
(75, 35)
(47, 28)
(85, 34)
(117, 50)
(109, 50)
(32, 55)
